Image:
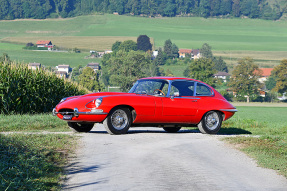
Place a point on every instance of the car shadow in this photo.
(223, 131)
(233, 131)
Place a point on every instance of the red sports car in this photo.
(167, 102)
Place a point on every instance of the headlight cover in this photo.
(99, 102)
(94, 103)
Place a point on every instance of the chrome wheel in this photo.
(119, 119)
(212, 120)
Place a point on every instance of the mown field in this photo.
(186, 32)
(263, 40)
(46, 58)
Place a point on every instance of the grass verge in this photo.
(268, 143)
(37, 122)
(33, 162)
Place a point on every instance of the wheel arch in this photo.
(218, 111)
(132, 110)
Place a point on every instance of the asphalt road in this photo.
(150, 159)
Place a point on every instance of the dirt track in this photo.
(150, 159)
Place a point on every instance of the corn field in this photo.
(23, 90)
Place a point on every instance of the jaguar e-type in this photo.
(166, 102)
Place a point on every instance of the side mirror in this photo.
(171, 97)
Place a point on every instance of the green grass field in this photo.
(186, 32)
(263, 40)
(270, 148)
(46, 58)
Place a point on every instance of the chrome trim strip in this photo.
(91, 113)
(76, 113)
(230, 110)
(186, 98)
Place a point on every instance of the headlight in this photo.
(99, 101)
(94, 103)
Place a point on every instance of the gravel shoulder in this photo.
(150, 159)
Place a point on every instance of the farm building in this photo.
(221, 75)
(184, 52)
(193, 53)
(266, 72)
(45, 43)
(34, 66)
(94, 66)
(63, 68)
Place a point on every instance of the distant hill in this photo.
(265, 9)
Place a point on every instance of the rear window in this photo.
(203, 90)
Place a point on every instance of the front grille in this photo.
(66, 112)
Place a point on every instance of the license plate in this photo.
(67, 117)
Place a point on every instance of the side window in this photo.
(174, 91)
(182, 88)
(203, 90)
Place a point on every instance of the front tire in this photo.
(118, 121)
(81, 127)
(171, 129)
(210, 123)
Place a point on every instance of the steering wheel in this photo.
(159, 91)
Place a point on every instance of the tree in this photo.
(116, 46)
(174, 50)
(143, 43)
(202, 69)
(280, 72)
(270, 83)
(90, 80)
(220, 65)
(206, 51)
(168, 48)
(161, 58)
(126, 67)
(204, 7)
(128, 45)
(244, 79)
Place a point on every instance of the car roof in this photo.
(165, 78)
(172, 78)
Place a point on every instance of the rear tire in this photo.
(118, 121)
(81, 127)
(210, 123)
(171, 129)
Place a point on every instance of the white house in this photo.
(221, 75)
(63, 68)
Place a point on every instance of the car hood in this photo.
(80, 101)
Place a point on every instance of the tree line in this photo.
(40, 9)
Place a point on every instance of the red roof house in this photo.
(45, 43)
(266, 72)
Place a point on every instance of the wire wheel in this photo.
(211, 120)
(119, 119)
(210, 123)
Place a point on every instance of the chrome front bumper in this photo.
(76, 112)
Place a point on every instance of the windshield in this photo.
(151, 87)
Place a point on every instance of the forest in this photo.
(41, 9)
